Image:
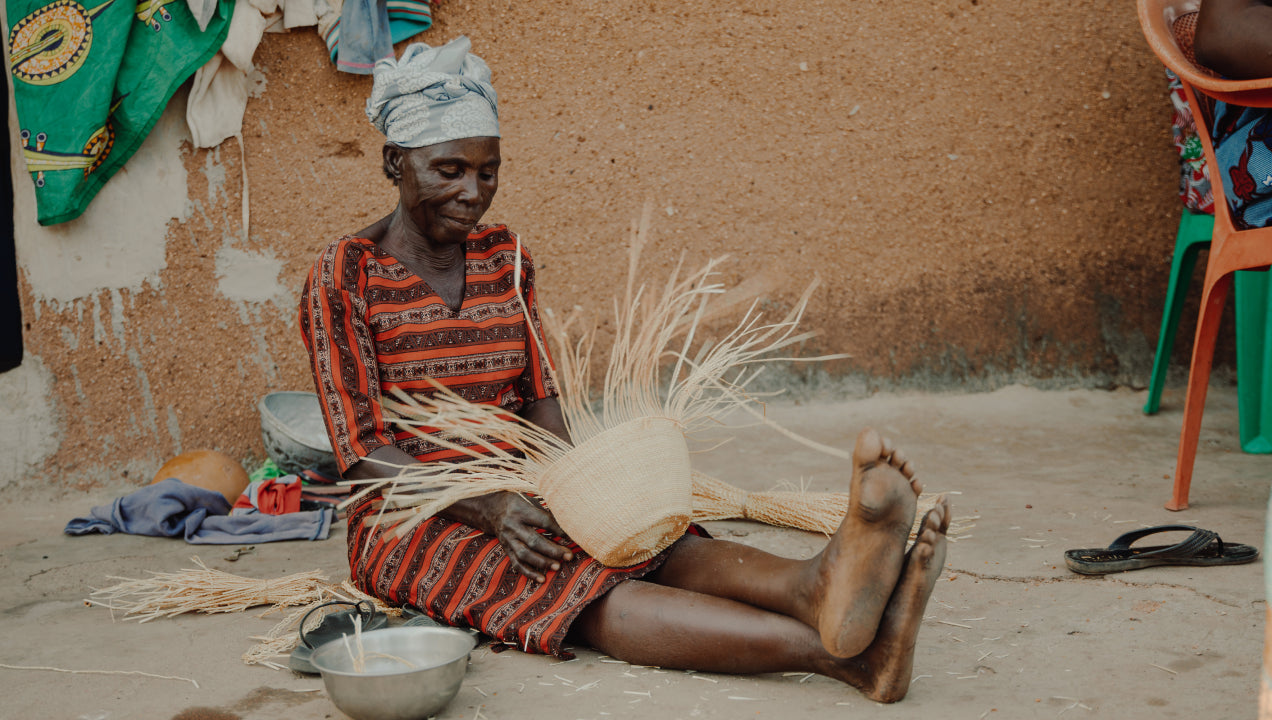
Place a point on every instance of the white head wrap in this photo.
(433, 95)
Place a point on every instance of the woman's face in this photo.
(444, 189)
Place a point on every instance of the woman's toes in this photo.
(869, 448)
(888, 448)
(917, 487)
(944, 504)
(908, 469)
(922, 551)
(940, 519)
(929, 523)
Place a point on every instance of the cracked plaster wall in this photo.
(977, 221)
(142, 319)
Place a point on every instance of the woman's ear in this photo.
(393, 162)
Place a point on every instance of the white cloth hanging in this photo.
(202, 10)
(218, 97)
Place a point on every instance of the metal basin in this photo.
(388, 688)
(294, 433)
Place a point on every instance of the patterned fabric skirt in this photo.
(1243, 149)
(462, 577)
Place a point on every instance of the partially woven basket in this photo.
(624, 495)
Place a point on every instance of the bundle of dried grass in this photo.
(817, 512)
(281, 639)
(813, 511)
(623, 490)
(205, 590)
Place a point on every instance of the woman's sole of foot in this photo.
(860, 565)
(889, 660)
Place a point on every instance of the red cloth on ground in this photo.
(277, 496)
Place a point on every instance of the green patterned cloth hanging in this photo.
(91, 80)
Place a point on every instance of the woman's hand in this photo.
(515, 521)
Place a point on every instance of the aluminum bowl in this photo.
(388, 689)
(294, 433)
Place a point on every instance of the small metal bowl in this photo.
(388, 688)
(294, 433)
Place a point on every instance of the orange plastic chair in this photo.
(1167, 24)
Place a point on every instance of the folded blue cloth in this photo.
(172, 508)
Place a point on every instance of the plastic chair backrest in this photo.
(1157, 18)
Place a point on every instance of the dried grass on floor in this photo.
(204, 590)
(819, 512)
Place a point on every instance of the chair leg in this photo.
(1212, 302)
(1181, 271)
(1251, 294)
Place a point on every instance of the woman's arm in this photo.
(546, 413)
(1234, 37)
(511, 517)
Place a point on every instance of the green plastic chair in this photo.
(1254, 327)
(1194, 233)
(1254, 360)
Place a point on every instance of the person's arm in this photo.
(510, 517)
(546, 413)
(1234, 38)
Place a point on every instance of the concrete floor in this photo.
(1010, 632)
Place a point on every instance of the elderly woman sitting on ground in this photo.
(429, 292)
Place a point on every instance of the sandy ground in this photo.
(1010, 633)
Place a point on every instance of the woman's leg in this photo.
(843, 590)
(648, 624)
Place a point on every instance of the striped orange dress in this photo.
(370, 325)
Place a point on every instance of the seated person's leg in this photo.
(648, 624)
(842, 591)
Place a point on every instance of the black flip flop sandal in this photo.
(1202, 548)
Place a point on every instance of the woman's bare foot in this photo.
(882, 672)
(851, 580)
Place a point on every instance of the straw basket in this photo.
(626, 494)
